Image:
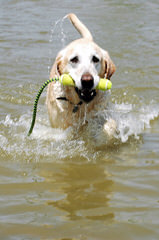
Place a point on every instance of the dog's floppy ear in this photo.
(108, 65)
(57, 67)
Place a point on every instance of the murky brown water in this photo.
(57, 184)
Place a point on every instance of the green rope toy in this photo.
(66, 80)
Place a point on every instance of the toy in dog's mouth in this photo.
(87, 91)
(86, 94)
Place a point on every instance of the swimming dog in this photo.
(85, 62)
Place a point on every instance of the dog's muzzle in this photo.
(87, 93)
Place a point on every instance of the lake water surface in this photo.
(58, 184)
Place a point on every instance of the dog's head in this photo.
(85, 61)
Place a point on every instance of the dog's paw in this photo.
(110, 128)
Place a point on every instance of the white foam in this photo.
(132, 120)
(58, 144)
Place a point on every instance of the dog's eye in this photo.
(95, 59)
(74, 60)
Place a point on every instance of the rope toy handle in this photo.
(66, 80)
(36, 102)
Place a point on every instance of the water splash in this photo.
(56, 144)
(132, 120)
(62, 32)
(57, 31)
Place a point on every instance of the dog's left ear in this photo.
(57, 67)
(108, 65)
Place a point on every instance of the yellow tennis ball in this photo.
(66, 80)
(104, 84)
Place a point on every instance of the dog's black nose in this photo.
(87, 81)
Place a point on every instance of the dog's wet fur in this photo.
(85, 61)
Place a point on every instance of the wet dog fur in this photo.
(85, 61)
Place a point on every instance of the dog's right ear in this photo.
(57, 67)
(108, 65)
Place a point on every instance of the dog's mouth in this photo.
(86, 94)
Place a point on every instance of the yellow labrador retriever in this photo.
(85, 61)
